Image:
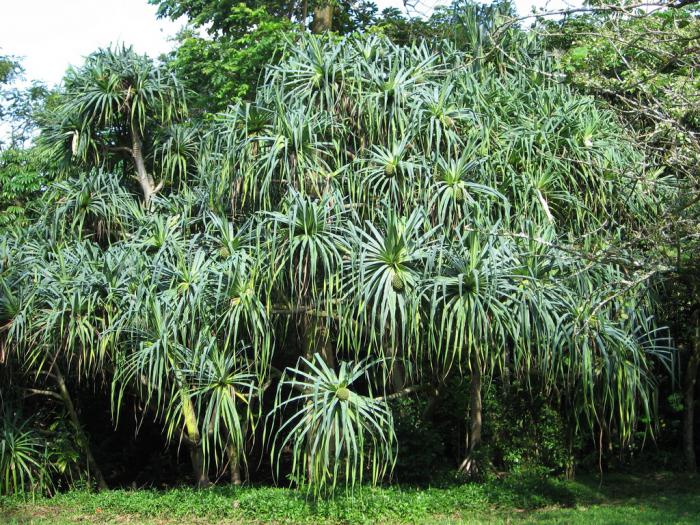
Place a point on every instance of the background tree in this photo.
(10, 69)
(23, 174)
(110, 112)
(222, 69)
(643, 63)
(222, 54)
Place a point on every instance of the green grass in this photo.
(662, 498)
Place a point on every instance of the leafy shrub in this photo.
(23, 458)
(523, 432)
(520, 432)
(422, 448)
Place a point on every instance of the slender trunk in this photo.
(570, 440)
(234, 464)
(475, 407)
(82, 438)
(309, 348)
(323, 19)
(691, 375)
(397, 376)
(475, 417)
(397, 371)
(235, 454)
(146, 181)
(309, 327)
(316, 340)
(236, 190)
(605, 446)
(433, 397)
(199, 471)
(327, 351)
(506, 371)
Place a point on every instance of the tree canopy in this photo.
(287, 268)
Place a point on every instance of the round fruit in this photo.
(397, 283)
(459, 194)
(342, 393)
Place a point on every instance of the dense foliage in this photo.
(644, 64)
(226, 45)
(391, 254)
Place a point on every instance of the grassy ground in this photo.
(661, 498)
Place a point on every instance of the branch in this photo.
(49, 393)
(682, 3)
(404, 392)
(123, 149)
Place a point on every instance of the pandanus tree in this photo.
(380, 219)
(111, 110)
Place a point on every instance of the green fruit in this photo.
(397, 283)
(342, 393)
(389, 170)
(223, 251)
(459, 194)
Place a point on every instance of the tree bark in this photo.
(433, 398)
(148, 186)
(397, 372)
(82, 438)
(323, 19)
(234, 464)
(469, 466)
(234, 456)
(475, 407)
(323, 337)
(316, 340)
(691, 375)
(199, 471)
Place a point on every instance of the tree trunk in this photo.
(327, 351)
(234, 456)
(323, 19)
(316, 340)
(82, 438)
(469, 466)
(397, 371)
(475, 407)
(397, 376)
(570, 471)
(199, 471)
(146, 181)
(691, 375)
(433, 398)
(234, 464)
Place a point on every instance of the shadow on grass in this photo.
(531, 491)
(528, 497)
(649, 498)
